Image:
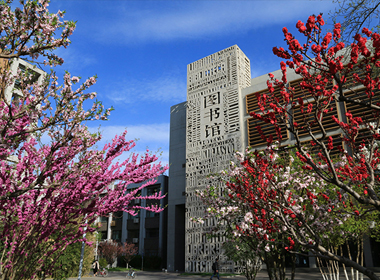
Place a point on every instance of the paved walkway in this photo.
(304, 274)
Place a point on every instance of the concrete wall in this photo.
(214, 132)
(176, 193)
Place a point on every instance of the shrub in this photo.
(103, 262)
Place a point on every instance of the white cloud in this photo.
(193, 19)
(162, 89)
(74, 59)
(157, 133)
(154, 137)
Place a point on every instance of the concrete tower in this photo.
(214, 132)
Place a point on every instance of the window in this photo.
(103, 235)
(150, 214)
(308, 120)
(366, 114)
(116, 235)
(268, 130)
(153, 189)
(24, 72)
(16, 65)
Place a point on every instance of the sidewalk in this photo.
(301, 274)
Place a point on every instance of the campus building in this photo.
(13, 92)
(147, 230)
(205, 131)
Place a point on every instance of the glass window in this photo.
(116, 235)
(153, 189)
(150, 214)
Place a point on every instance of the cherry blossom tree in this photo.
(128, 252)
(276, 207)
(240, 251)
(110, 250)
(51, 186)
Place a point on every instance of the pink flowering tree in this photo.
(247, 259)
(50, 187)
(276, 207)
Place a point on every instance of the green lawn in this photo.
(121, 269)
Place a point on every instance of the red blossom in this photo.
(310, 25)
(330, 143)
(301, 27)
(316, 48)
(326, 40)
(337, 31)
(320, 20)
(325, 81)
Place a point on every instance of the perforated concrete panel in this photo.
(214, 132)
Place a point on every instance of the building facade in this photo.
(204, 133)
(220, 96)
(177, 188)
(147, 230)
(13, 92)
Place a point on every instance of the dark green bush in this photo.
(152, 262)
(67, 264)
(121, 262)
(103, 262)
(136, 262)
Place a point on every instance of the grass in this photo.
(121, 269)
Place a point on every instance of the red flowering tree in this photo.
(334, 78)
(110, 250)
(275, 207)
(128, 252)
(329, 77)
(321, 198)
(354, 15)
(50, 187)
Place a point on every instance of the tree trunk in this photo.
(293, 266)
(325, 254)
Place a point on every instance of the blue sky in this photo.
(140, 49)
